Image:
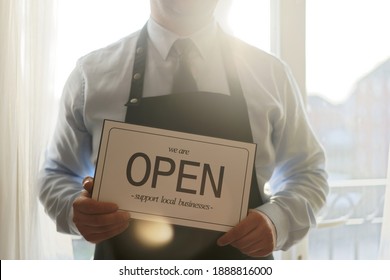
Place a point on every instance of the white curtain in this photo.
(27, 114)
(385, 235)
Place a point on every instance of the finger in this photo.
(97, 237)
(260, 241)
(88, 184)
(101, 229)
(260, 247)
(258, 253)
(239, 231)
(104, 220)
(87, 205)
(253, 238)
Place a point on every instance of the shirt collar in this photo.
(163, 39)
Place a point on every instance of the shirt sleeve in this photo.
(299, 181)
(67, 159)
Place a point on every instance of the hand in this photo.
(254, 236)
(97, 221)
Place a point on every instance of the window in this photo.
(348, 76)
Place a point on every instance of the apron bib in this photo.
(203, 113)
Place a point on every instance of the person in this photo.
(242, 94)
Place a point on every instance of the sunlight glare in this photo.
(250, 21)
(153, 234)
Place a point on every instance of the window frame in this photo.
(288, 37)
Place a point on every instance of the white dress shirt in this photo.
(289, 160)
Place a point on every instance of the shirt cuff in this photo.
(280, 221)
(73, 229)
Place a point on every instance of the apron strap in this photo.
(137, 81)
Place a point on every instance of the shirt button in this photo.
(140, 50)
(137, 76)
(134, 100)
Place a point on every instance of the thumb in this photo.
(88, 184)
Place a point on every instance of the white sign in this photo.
(175, 177)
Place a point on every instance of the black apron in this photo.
(203, 113)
